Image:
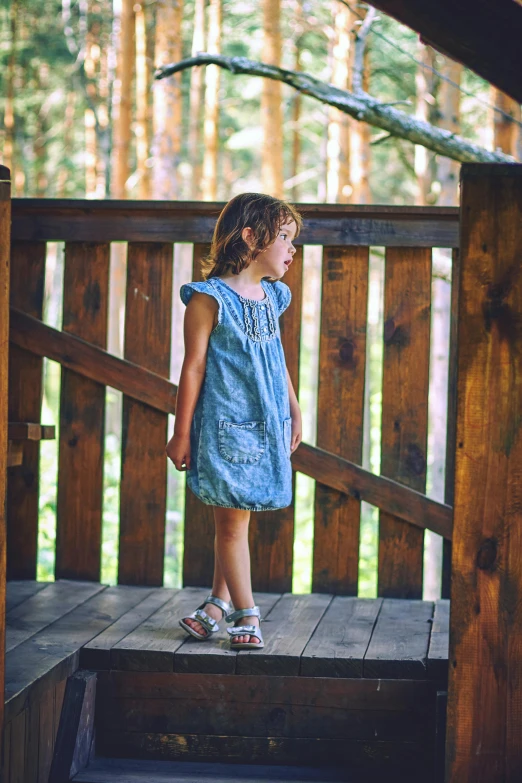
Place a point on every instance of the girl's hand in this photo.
(297, 429)
(178, 450)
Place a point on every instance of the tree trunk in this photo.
(423, 160)
(196, 101)
(448, 171)
(211, 125)
(296, 114)
(506, 134)
(7, 155)
(142, 104)
(360, 150)
(271, 104)
(68, 133)
(167, 101)
(122, 101)
(338, 186)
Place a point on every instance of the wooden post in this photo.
(5, 233)
(484, 737)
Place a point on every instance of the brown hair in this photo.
(263, 214)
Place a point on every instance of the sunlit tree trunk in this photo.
(167, 100)
(423, 158)
(211, 124)
(506, 134)
(271, 104)
(39, 143)
(8, 149)
(122, 100)
(68, 131)
(448, 105)
(196, 101)
(142, 104)
(297, 103)
(338, 187)
(359, 137)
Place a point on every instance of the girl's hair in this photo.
(263, 214)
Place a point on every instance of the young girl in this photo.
(237, 416)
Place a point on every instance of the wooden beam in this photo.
(5, 231)
(145, 386)
(24, 430)
(76, 727)
(75, 220)
(484, 738)
(483, 35)
(92, 362)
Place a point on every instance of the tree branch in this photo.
(361, 107)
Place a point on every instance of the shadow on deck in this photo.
(341, 681)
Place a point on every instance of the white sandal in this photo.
(245, 630)
(209, 624)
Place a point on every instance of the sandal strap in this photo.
(240, 613)
(213, 599)
(244, 630)
(206, 621)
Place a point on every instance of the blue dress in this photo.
(241, 430)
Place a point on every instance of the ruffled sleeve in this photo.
(283, 296)
(188, 289)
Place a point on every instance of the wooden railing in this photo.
(346, 234)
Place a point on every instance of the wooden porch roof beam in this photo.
(483, 35)
(141, 384)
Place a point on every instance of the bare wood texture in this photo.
(75, 727)
(485, 672)
(194, 221)
(5, 234)
(15, 454)
(359, 105)
(340, 641)
(342, 366)
(144, 467)
(439, 642)
(271, 533)
(82, 418)
(407, 299)
(481, 35)
(20, 590)
(198, 552)
(25, 401)
(20, 430)
(96, 654)
(92, 362)
(399, 644)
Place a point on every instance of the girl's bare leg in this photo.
(234, 557)
(219, 589)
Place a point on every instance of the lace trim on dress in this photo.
(251, 318)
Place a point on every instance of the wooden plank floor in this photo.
(58, 626)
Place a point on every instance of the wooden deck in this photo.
(339, 678)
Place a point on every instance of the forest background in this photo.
(82, 117)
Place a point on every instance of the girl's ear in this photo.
(247, 235)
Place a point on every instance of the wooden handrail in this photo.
(159, 393)
(75, 220)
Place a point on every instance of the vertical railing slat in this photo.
(82, 414)
(340, 413)
(143, 491)
(272, 532)
(198, 552)
(25, 404)
(407, 307)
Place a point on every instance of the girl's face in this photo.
(275, 259)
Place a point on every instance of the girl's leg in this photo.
(234, 558)
(219, 589)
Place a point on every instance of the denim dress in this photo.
(241, 430)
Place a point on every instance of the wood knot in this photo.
(487, 554)
(415, 460)
(389, 329)
(346, 351)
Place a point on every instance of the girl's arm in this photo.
(295, 413)
(197, 326)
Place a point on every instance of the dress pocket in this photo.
(287, 434)
(242, 444)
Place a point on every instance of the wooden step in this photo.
(127, 771)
